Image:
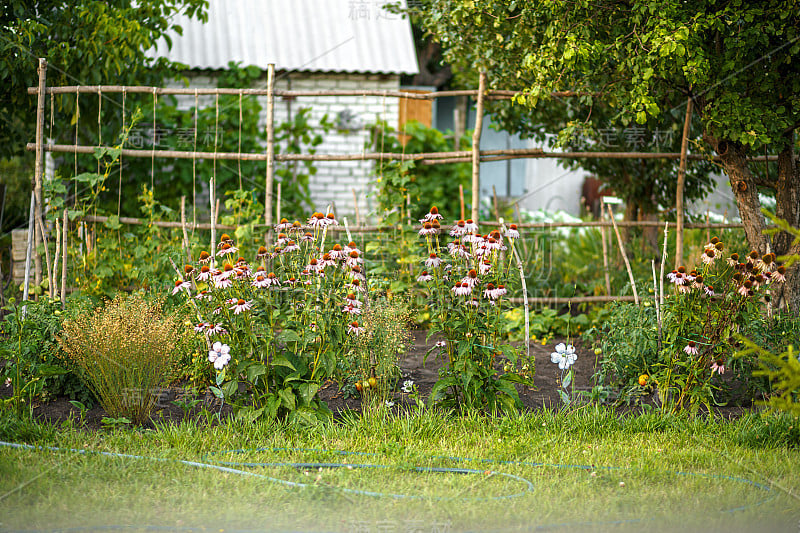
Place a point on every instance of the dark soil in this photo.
(543, 395)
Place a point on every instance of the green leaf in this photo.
(254, 370)
(289, 335)
(287, 398)
(50, 370)
(113, 223)
(230, 388)
(280, 360)
(308, 391)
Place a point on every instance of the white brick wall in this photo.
(335, 181)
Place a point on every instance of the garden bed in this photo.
(544, 395)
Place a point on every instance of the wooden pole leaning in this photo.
(270, 151)
(476, 147)
(39, 170)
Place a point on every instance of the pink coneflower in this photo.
(461, 289)
(779, 276)
(459, 229)
(330, 220)
(224, 239)
(485, 267)
(351, 309)
(685, 287)
(354, 329)
(501, 290)
(352, 247)
(317, 220)
(355, 286)
(337, 252)
(428, 229)
(181, 285)
(431, 216)
(709, 255)
(325, 261)
(745, 288)
(691, 348)
(512, 232)
(283, 225)
(433, 261)
(474, 302)
(424, 277)
(356, 273)
(352, 299)
(200, 328)
(296, 226)
(241, 306)
(282, 239)
(471, 238)
(733, 260)
(471, 278)
(353, 258)
(441, 344)
(227, 248)
(307, 237)
(489, 291)
(222, 283)
(718, 366)
(291, 246)
(205, 257)
(260, 282)
(203, 295)
(471, 226)
(709, 290)
(215, 329)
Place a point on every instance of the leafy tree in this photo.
(738, 61)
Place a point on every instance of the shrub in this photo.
(125, 352)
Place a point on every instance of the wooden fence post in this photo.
(39, 170)
(476, 147)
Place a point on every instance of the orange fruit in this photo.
(643, 379)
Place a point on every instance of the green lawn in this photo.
(586, 470)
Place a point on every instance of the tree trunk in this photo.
(787, 190)
(734, 161)
(787, 207)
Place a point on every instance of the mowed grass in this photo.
(584, 470)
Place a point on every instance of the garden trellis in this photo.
(475, 155)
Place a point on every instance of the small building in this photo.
(315, 45)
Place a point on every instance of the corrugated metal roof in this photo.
(296, 35)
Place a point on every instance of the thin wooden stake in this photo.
(604, 240)
(681, 184)
(48, 264)
(212, 194)
(278, 204)
(519, 223)
(186, 251)
(461, 198)
(39, 236)
(64, 237)
(28, 253)
(56, 259)
(624, 256)
(476, 147)
(270, 150)
(494, 200)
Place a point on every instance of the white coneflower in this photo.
(326, 261)
(219, 355)
(307, 237)
(200, 327)
(564, 356)
(441, 344)
(181, 285)
(461, 289)
(352, 247)
(291, 246)
(424, 277)
(484, 267)
(471, 226)
(356, 273)
(215, 329)
(709, 290)
(330, 220)
(733, 260)
(471, 238)
(355, 286)
(203, 295)
(222, 283)
(718, 366)
(241, 306)
(501, 290)
(354, 329)
(475, 303)
(351, 310)
(691, 348)
(745, 288)
(205, 257)
(433, 261)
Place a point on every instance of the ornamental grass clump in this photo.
(373, 358)
(126, 352)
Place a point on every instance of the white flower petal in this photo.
(561, 347)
